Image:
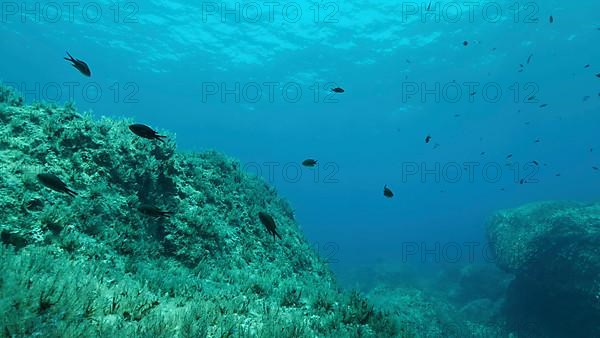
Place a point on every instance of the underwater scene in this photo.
(233, 168)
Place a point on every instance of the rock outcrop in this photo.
(553, 249)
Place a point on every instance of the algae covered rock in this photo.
(98, 264)
(553, 250)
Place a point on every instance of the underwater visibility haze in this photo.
(300, 169)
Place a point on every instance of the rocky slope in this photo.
(99, 264)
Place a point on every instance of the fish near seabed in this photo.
(53, 182)
(144, 131)
(269, 223)
(153, 211)
(81, 66)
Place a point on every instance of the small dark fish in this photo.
(551, 19)
(535, 162)
(536, 141)
(482, 153)
(337, 90)
(598, 75)
(309, 162)
(521, 65)
(529, 58)
(153, 211)
(595, 168)
(520, 70)
(269, 223)
(81, 66)
(531, 98)
(587, 66)
(509, 156)
(543, 105)
(427, 139)
(456, 115)
(387, 192)
(465, 43)
(473, 93)
(429, 6)
(53, 182)
(527, 123)
(493, 49)
(557, 175)
(144, 131)
(522, 181)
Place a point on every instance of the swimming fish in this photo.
(309, 162)
(543, 105)
(153, 211)
(53, 182)
(269, 223)
(337, 90)
(81, 66)
(551, 19)
(595, 168)
(529, 58)
(387, 192)
(465, 43)
(509, 156)
(427, 139)
(144, 131)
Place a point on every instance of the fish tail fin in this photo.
(160, 138)
(275, 233)
(70, 58)
(70, 192)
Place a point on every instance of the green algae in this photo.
(94, 265)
